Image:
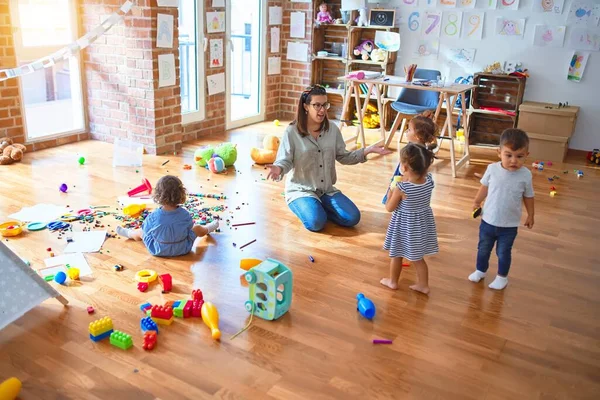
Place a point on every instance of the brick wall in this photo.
(295, 76)
(11, 121)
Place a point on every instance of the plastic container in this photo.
(127, 153)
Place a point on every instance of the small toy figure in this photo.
(362, 17)
(323, 16)
(364, 50)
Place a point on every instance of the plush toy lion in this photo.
(10, 152)
(268, 153)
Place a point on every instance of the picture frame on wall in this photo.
(381, 17)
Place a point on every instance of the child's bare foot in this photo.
(388, 282)
(420, 288)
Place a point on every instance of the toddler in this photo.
(506, 184)
(411, 233)
(169, 231)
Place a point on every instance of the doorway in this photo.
(245, 62)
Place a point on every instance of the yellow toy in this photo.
(268, 153)
(10, 388)
(146, 275)
(73, 273)
(210, 316)
(133, 210)
(371, 118)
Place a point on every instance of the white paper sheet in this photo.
(56, 264)
(297, 51)
(218, 3)
(508, 4)
(216, 53)
(215, 22)
(274, 66)
(164, 31)
(461, 57)
(275, 15)
(275, 38)
(545, 6)
(86, 242)
(216, 83)
(451, 24)
(510, 27)
(298, 25)
(39, 213)
(584, 39)
(166, 70)
(584, 13)
(549, 36)
(431, 24)
(388, 41)
(472, 27)
(466, 3)
(168, 3)
(577, 65)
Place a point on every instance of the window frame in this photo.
(200, 115)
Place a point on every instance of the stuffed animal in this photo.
(216, 164)
(202, 155)
(362, 17)
(364, 49)
(10, 152)
(227, 151)
(378, 55)
(268, 153)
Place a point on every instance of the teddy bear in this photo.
(364, 49)
(268, 153)
(378, 55)
(227, 151)
(10, 152)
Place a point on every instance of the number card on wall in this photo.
(412, 3)
(508, 4)
(467, 3)
(451, 24)
(414, 21)
(491, 4)
(447, 3)
(472, 27)
(431, 24)
(429, 3)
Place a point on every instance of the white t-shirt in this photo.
(506, 190)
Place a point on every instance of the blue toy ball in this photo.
(60, 278)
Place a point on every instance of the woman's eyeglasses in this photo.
(318, 106)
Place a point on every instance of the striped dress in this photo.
(411, 233)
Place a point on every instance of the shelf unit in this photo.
(332, 38)
(503, 92)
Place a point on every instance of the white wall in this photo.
(547, 66)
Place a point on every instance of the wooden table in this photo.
(378, 87)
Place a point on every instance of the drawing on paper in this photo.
(215, 22)
(549, 36)
(428, 48)
(584, 13)
(548, 6)
(577, 65)
(584, 39)
(216, 53)
(164, 29)
(510, 27)
(462, 57)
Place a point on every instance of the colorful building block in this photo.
(187, 310)
(145, 307)
(150, 340)
(162, 312)
(197, 308)
(102, 336)
(90, 310)
(166, 281)
(100, 326)
(169, 303)
(178, 310)
(147, 324)
(161, 321)
(176, 304)
(121, 340)
(197, 295)
(142, 286)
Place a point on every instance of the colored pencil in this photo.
(382, 341)
(248, 244)
(244, 224)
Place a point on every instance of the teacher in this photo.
(307, 154)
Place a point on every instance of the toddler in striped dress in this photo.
(411, 233)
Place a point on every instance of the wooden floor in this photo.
(538, 339)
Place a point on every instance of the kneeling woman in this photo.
(307, 154)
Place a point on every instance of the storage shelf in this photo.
(369, 62)
(339, 92)
(332, 58)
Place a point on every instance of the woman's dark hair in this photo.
(417, 157)
(425, 129)
(169, 191)
(302, 115)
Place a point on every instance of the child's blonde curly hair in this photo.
(169, 191)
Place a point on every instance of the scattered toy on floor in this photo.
(365, 306)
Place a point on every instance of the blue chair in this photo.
(412, 102)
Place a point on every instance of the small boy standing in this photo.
(506, 184)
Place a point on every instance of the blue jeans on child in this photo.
(314, 213)
(504, 239)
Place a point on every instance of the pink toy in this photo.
(145, 186)
(323, 16)
(356, 75)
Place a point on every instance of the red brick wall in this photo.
(11, 121)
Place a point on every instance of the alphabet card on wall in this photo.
(577, 65)
(431, 24)
(215, 83)
(549, 36)
(508, 4)
(548, 6)
(428, 48)
(164, 31)
(451, 24)
(448, 3)
(467, 3)
(166, 70)
(584, 13)
(584, 39)
(510, 27)
(473, 25)
(216, 53)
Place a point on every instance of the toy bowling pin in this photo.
(365, 306)
(10, 388)
(210, 316)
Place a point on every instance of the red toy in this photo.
(162, 312)
(142, 286)
(90, 310)
(150, 340)
(166, 282)
(197, 295)
(187, 310)
(197, 308)
(145, 186)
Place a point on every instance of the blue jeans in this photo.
(314, 213)
(504, 239)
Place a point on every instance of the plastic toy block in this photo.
(90, 310)
(197, 308)
(121, 340)
(147, 324)
(176, 304)
(178, 311)
(187, 310)
(166, 281)
(142, 286)
(169, 303)
(149, 313)
(100, 326)
(73, 273)
(161, 321)
(102, 336)
(197, 294)
(162, 312)
(145, 307)
(150, 340)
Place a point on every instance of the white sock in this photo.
(123, 232)
(499, 283)
(212, 226)
(476, 276)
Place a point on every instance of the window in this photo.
(191, 57)
(52, 97)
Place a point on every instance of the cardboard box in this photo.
(547, 147)
(535, 117)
